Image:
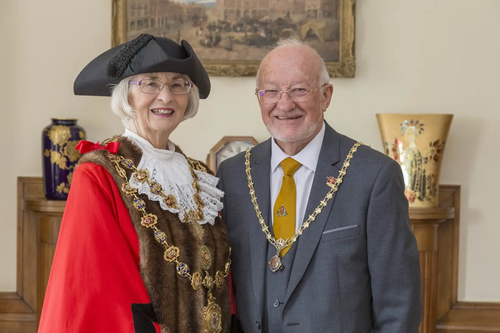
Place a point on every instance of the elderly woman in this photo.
(141, 246)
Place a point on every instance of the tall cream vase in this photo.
(417, 142)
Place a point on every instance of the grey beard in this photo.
(304, 133)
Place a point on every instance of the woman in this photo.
(141, 246)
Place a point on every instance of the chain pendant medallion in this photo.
(275, 263)
(279, 244)
(212, 314)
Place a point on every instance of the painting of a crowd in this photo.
(263, 32)
(256, 32)
(229, 29)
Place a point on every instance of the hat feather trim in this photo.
(118, 64)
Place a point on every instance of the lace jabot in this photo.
(171, 170)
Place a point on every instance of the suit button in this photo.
(276, 303)
(258, 324)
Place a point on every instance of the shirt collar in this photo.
(171, 170)
(308, 156)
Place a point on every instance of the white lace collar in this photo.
(171, 170)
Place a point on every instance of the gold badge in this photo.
(275, 263)
(160, 236)
(213, 317)
(127, 162)
(331, 181)
(139, 204)
(206, 258)
(196, 281)
(171, 253)
(282, 211)
(219, 279)
(142, 175)
(126, 188)
(208, 281)
(170, 201)
(183, 269)
(155, 188)
(149, 220)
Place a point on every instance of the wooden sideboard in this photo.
(38, 222)
(436, 230)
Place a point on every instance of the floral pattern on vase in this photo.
(417, 142)
(60, 157)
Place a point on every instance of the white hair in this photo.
(123, 110)
(324, 77)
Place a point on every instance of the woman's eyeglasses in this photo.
(151, 86)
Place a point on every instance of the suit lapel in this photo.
(260, 163)
(328, 165)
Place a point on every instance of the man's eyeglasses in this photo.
(150, 86)
(272, 96)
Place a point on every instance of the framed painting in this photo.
(232, 36)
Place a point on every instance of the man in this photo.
(350, 262)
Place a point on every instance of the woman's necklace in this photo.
(212, 311)
(281, 243)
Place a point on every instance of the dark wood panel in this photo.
(17, 326)
(447, 268)
(471, 317)
(12, 303)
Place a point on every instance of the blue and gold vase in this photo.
(59, 140)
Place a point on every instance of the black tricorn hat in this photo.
(144, 54)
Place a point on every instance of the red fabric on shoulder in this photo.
(95, 274)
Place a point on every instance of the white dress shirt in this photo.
(303, 177)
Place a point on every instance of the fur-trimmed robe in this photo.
(107, 264)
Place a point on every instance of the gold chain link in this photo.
(171, 252)
(280, 244)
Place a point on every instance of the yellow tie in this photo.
(284, 207)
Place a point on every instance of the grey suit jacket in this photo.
(356, 268)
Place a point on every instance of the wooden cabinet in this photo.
(48, 215)
(437, 230)
(38, 226)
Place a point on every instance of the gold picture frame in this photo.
(243, 31)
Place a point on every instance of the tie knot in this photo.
(289, 166)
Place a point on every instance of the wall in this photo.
(428, 56)
(7, 197)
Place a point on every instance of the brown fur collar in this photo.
(178, 307)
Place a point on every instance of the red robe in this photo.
(95, 275)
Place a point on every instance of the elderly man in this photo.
(318, 223)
